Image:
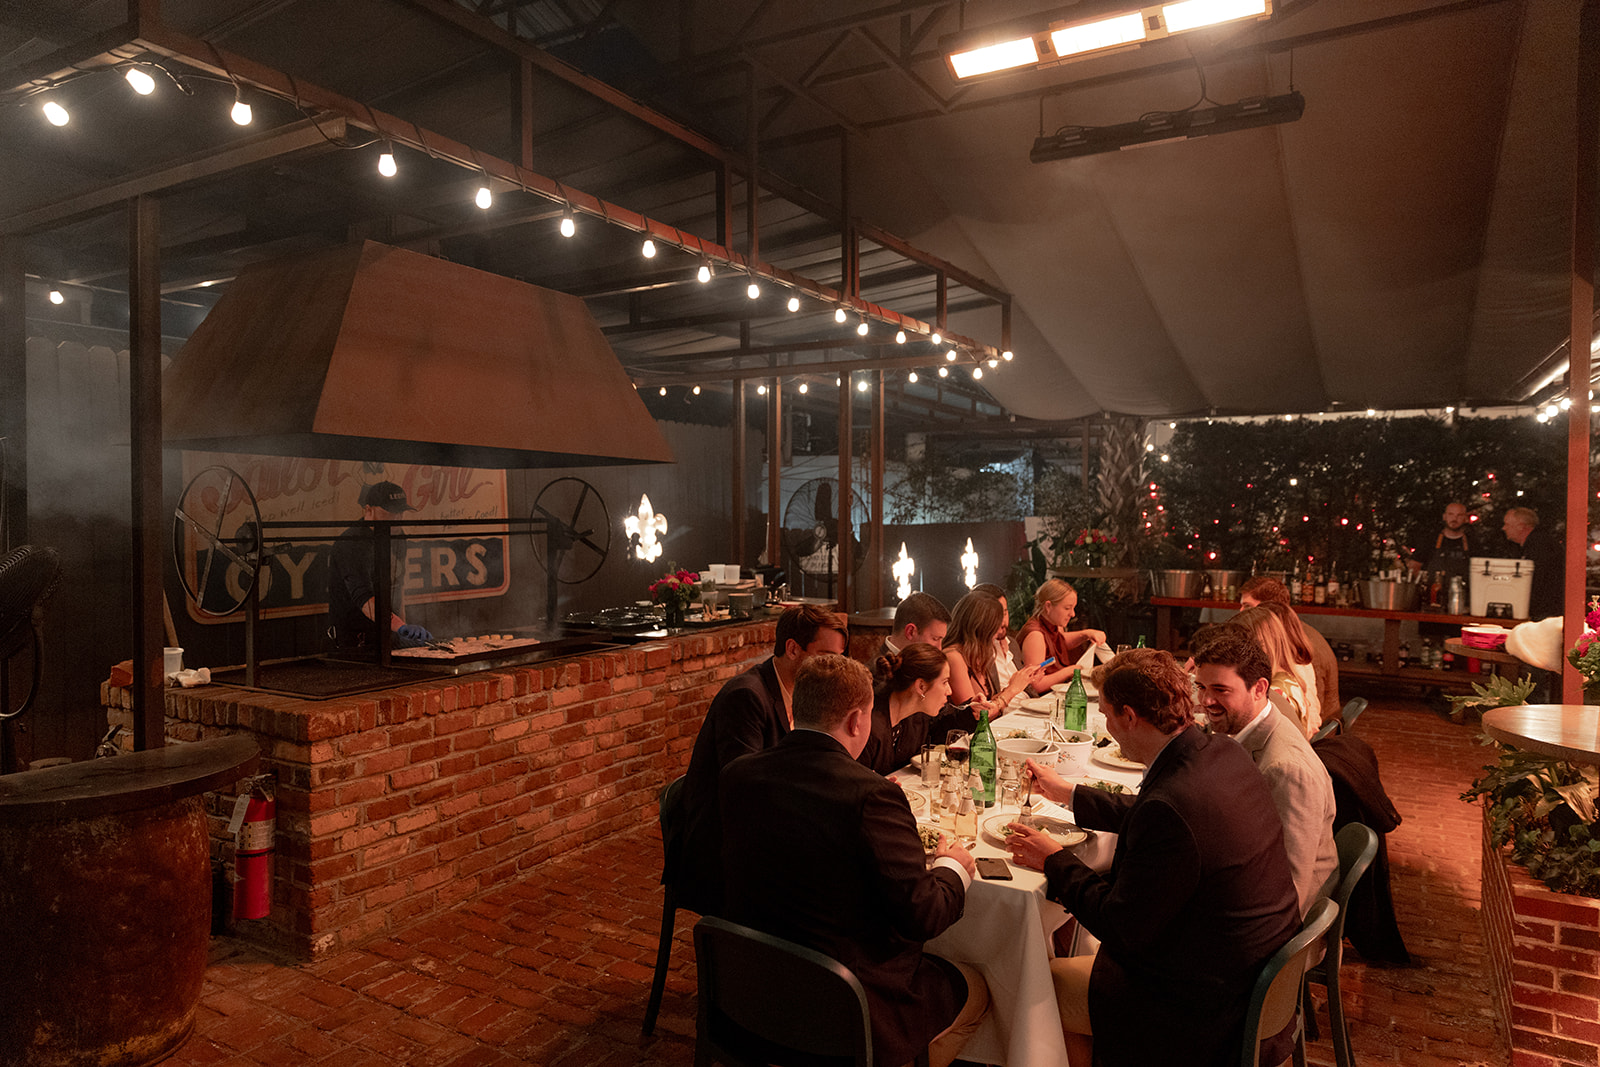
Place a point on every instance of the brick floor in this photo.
(554, 969)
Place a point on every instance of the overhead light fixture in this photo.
(794, 303)
(649, 249)
(696, 390)
(703, 275)
(861, 327)
(899, 337)
(753, 290)
(386, 164)
(993, 364)
(950, 355)
(56, 297)
(944, 372)
(861, 386)
(569, 225)
(761, 390)
(484, 197)
(1007, 356)
(838, 315)
(663, 390)
(937, 338)
(804, 388)
(1161, 126)
(1017, 45)
(977, 373)
(241, 113)
(141, 81)
(55, 114)
(912, 377)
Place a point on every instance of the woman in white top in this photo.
(1296, 689)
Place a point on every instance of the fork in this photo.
(1025, 816)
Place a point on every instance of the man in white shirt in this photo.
(920, 619)
(1233, 676)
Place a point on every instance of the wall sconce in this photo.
(644, 531)
(969, 565)
(903, 569)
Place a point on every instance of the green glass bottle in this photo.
(983, 756)
(1076, 712)
(1141, 642)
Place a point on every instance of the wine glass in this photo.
(958, 748)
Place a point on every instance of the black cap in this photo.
(385, 495)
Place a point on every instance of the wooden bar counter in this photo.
(398, 804)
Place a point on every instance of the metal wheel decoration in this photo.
(28, 576)
(218, 509)
(580, 529)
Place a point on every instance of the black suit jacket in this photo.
(824, 852)
(1549, 568)
(1198, 896)
(746, 715)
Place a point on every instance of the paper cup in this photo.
(171, 661)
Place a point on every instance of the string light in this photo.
(804, 388)
(753, 290)
(977, 373)
(142, 83)
(993, 363)
(696, 390)
(950, 356)
(861, 327)
(761, 390)
(649, 249)
(56, 297)
(912, 377)
(569, 225)
(937, 338)
(1007, 355)
(944, 372)
(484, 197)
(899, 337)
(838, 313)
(861, 387)
(55, 114)
(837, 380)
(794, 303)
(386, 164)
(663, 390)
(703, 275)
(241, 113)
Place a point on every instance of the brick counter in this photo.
(1544, 949)
(399, 804)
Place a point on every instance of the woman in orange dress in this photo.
(1045, 634)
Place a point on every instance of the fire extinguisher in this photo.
(252, 887)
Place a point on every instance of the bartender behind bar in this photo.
(352, 569)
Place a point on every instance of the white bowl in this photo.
(1044, 753)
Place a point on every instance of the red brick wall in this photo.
(398, 804)
(1545, 950)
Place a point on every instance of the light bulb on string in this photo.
(484, 197)
(663, 390)
(899, 337)
(696, 390)
(950, 355)
(977, 373)
(912, 377)
(648, 248)
(861, 327)
(1007, 355)
(569, 225)
(861, 387)
(805, 388)
(838, 313)
(241, 113)
(142, 83)
(56, 297)
(993, 363)
(703, 275)
(944, 372)
(794, 303)
(837, 380)
(386, 164)
(937, 338)
(761, 390)
(753, 290)
(55, 114)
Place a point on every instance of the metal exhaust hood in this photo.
(367, 352)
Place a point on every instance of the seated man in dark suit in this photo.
(821, 851)
(1199, 893)
(749, 713)
(918, 620)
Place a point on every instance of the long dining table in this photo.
(1006, 928)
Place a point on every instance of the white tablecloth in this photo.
(1005, 931)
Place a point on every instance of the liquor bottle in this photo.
(1334, 587)
(1320, 596)
(1308, 589)
(1140, 642)
(1206, 592)
(1076, 714)
(1295, 585)
(1436, 590)
(983, 758)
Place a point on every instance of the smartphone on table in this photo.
(993, 868)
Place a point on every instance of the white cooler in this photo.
(1500, 581)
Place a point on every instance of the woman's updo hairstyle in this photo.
(898, 671)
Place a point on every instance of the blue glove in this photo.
(414, 633)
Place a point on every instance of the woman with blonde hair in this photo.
(976, 623)
(1045, 634)
(1294, 686)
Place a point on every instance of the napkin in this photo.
(1537, 643)
(1095, 654)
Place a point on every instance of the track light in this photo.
(569, 226)
(649, 249)
(55, 114)
(937, 338)
(838, 313)
(241, 113)
(386, 165)
(794, 303)
(899, 337)
(912, 377)
(1158, 127)
(56, 297)
(142, 83)
(753, 290)
(484, 197)
(703, 275)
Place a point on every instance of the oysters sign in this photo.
(294, 570)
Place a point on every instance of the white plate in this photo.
(1098, 783)
(1065, 834)
(1111, 756)
(916, 798)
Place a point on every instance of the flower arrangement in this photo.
(1092, 547)
(675, 591)
(1584, 655)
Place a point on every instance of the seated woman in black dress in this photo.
(976, 624)
(910, 690)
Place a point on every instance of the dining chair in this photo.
(1347, 718)
(1358, 845)
(671, 804)
(764, 1000)
(1275, 999)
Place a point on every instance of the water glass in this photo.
(932, 761)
